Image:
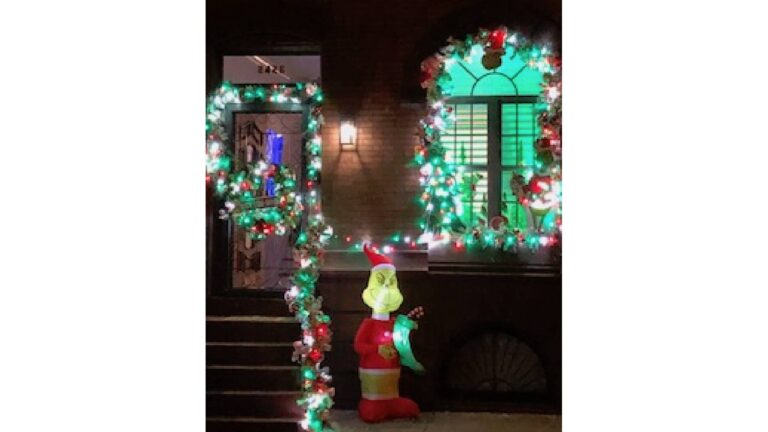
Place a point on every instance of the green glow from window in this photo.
(514, 212)
(513, 77)
(473, 201)
(466, 138)
(519, 130)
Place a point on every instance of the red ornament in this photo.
(497, 38)
(315, 355)
(322, 330)
(548, 131)
(245, 186)
(497, 221)
(426, 77)
(538, 184)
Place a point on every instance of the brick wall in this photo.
(371, 52)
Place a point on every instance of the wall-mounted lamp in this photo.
(348, 135)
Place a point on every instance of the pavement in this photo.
(348, 421)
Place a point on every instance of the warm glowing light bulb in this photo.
(553, 93)
(348, 133)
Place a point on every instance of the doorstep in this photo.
(348, 421)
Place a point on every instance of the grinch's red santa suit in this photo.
(377, 346)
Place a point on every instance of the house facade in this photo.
(491, 336)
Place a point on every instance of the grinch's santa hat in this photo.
(378, 261)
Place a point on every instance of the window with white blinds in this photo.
(493, 133)
(466, 140)
(519, 130)
(466, 143)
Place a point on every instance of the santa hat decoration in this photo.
(378, 261)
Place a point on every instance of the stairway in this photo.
(251, 383)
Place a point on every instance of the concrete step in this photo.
(259, 404)
(251, 424)
(269, 306)
(252, 378)
(251, 328)
(249, 353)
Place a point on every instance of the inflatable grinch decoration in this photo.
(383, 345)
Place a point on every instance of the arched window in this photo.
(497, 364)
(494, 131)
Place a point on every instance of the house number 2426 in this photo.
(271, 69)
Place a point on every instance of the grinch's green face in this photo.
(382, 294)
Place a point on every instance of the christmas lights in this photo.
(443, 182)
(279, 215)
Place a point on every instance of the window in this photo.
(466, 143)
(519, 130)
(496, 364)
(493, 133)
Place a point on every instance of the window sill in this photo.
(543, 262)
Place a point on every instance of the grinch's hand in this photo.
(387, 351)
(416, 313)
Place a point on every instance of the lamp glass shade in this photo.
(347, 134)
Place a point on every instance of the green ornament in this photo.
(225, 163)
(308, 373)
(544, 158)
(301, 239)
(316, 425)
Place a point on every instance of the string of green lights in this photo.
(281, 216)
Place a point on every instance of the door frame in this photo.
(219, 257)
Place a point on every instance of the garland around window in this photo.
(537, 189)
